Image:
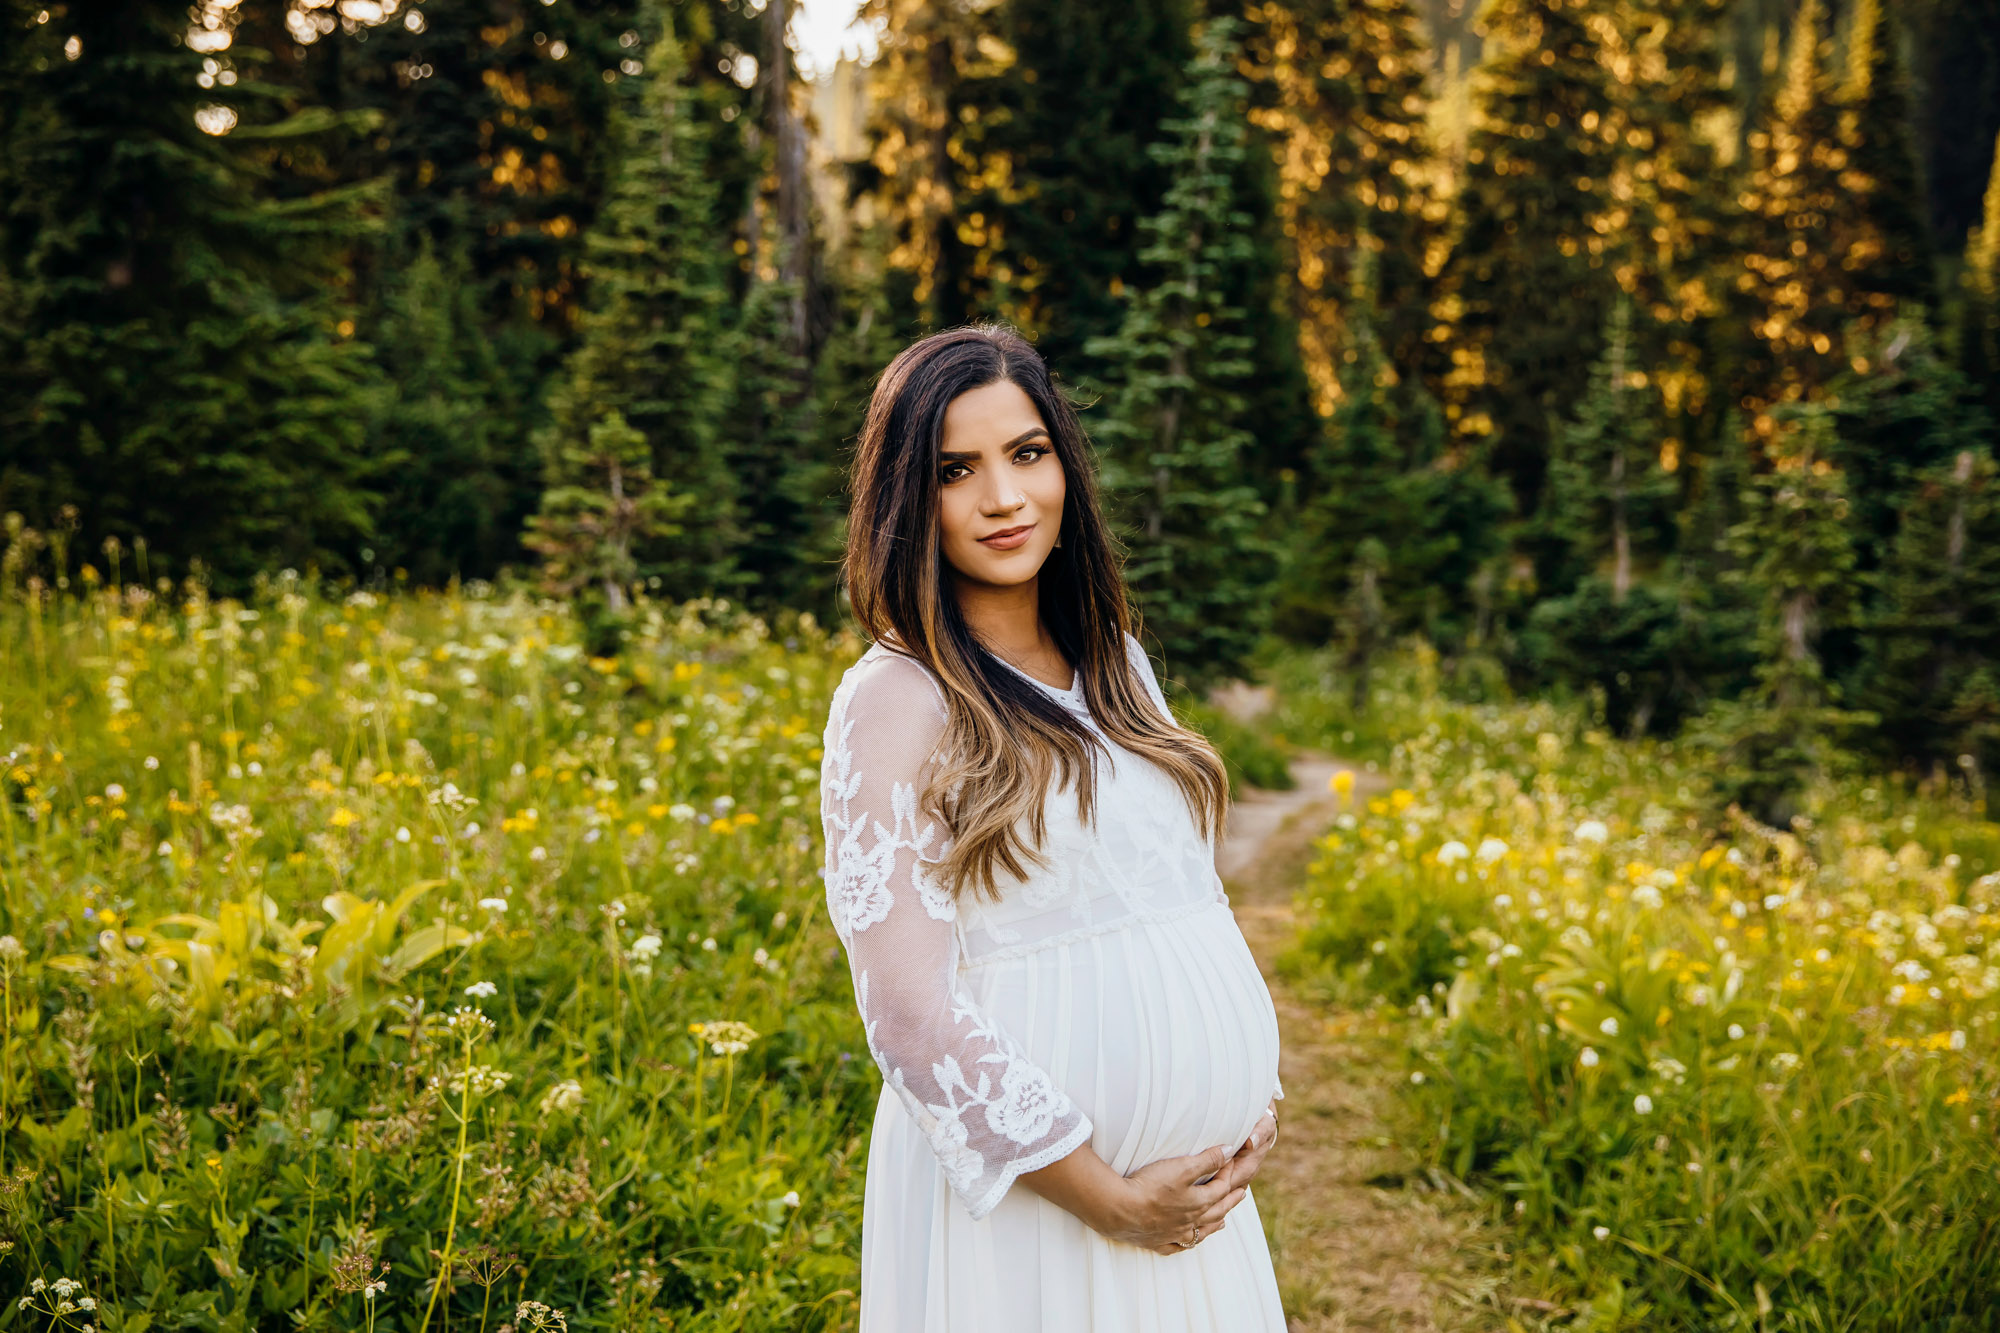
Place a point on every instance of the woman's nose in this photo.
(1002, 498)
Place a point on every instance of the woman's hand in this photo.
(1243, 1166)
(1173, 1203)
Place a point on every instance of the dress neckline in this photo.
(1074, 694)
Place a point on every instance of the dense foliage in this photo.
(1717, 1075)
(1647, 348)
(400, 940)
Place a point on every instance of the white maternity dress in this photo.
(1107, 998)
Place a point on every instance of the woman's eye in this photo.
(950, 472)
(1034, 453)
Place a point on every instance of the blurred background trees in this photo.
(1646, 348)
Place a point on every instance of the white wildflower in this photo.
(564, 1097)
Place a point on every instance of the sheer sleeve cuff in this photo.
(1014, 1170)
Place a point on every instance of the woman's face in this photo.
(1000, 486)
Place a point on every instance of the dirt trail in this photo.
(1363, 1239)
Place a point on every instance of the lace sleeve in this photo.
(1143, 665)
(988, 1111)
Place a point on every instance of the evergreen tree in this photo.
(1936, 639)
(1606, 525)
(1525, 289)
(1379, 474)
(1837, 244)
(1979, 326)
(1056, 167)
(1674, 242)
(179, 363)
(454, 489)
(923, 122)
(655, 343)
(600, 504)
(785, 473)
(1607, 507)
(1797, 558)
(1340, 85)
(1901, 411)
(1176, 436)
(1885, 224)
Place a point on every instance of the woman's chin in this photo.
(1002, 569)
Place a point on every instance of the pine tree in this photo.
(1884, 236)
(1175, 437)
(179, 362)
(1935, 642)
(655, 343)
(1525, 289)
(1056, 169)
(923, 124)
(1379, 474)
(786, 474)
(1838, 243)
(1340, 85)
(600, 505)
(1675, 214)
(1796, 557)
(1901, 411)
(1979, 327)
(1607, 494)
(454, 489)
(1605, 528)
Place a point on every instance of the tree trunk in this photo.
(794, 243)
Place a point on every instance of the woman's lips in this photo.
(1008, 538)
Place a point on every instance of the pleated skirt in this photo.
(1164, 1033)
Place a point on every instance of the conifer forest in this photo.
(424, 428)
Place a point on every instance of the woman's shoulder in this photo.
(888, 678)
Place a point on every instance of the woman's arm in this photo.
(989, 1113)
(1158, 1206)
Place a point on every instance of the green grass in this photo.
(258, 865)
(1715, 1075)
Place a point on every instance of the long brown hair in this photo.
(1004, 740)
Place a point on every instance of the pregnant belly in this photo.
(1162, 1032)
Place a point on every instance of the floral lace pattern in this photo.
(988, 1112)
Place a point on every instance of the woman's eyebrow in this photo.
(972, 455)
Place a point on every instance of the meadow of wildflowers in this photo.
(387, 962)
(1716, 1075)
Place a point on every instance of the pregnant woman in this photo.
(1080, 1058)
